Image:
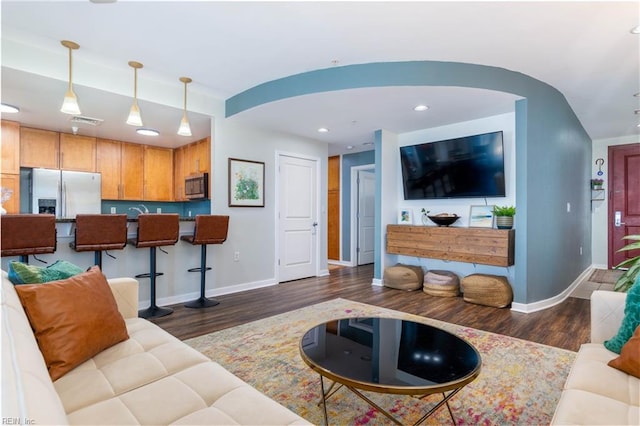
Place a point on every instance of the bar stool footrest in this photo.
(199, 269)
(148, 275)
(202, 302)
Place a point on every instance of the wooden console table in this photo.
(472, 245)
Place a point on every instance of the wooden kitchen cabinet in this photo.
(108, 164)
(121, 165)
(188, 160)
(178, 173)
(197, 157)
(53, 150)
(158, 174)
(132, 176)
(39, 148)
(10, 147)
(77, 153)
(12, 182)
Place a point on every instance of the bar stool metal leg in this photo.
(202, 302)
(153, 311)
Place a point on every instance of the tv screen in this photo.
(470, 166)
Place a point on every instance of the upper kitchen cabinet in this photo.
(158, 174)
(188, 160)
(53, 150)
(121, 165)
(10, 147)
(39, 148)
(197, 157)
(77, 153)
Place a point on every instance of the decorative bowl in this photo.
(444, 219)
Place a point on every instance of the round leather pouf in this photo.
(404, 277)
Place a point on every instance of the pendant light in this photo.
(70, 103)
(185, 129)
(134, 118)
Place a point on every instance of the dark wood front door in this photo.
(624, 199)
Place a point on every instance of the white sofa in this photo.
(151, 378)
(594, 393)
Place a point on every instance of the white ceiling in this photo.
(584, 49)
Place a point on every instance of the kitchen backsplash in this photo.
(184, 209)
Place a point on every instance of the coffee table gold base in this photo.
(333, 389)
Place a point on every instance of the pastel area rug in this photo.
(520, 381)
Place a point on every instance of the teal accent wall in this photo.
(349, 161)
(553, 158)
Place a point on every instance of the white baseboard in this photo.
(555, 300)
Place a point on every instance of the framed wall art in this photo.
(405, 217)
(246, 183)
(481, 217)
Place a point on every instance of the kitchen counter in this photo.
(131, 219)
(176, 286)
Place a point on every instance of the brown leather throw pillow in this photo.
(72, 319)
(629, 359)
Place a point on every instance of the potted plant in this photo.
(627, 279)
(504, 216)
(597, 183)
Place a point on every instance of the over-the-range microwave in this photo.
(196, 187)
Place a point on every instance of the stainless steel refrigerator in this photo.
(65, 193)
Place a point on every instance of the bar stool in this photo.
(98, 233)
(27, 234)
(155, 230)
(209, 229)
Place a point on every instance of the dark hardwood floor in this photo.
(566, 325)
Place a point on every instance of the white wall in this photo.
(252, 231)
(599, 210)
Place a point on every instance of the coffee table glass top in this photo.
(390, 355)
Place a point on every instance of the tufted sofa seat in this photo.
(150, 378)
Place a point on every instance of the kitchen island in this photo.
(177, 285)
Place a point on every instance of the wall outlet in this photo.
(568, 207)
(159, 210)
(236, 256)
(113, 210)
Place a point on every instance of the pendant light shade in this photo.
(135, 119)
(185, 129)
(70, 103)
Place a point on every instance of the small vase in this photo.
(504, 222)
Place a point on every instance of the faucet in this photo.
(146, 210)
(136, 209)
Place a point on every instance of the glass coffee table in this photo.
(392, 356)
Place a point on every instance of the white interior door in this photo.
(297, 218)
(365, 215)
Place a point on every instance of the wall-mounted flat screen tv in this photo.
(470, 166)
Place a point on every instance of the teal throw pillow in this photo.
(630, 321)
(22, 273)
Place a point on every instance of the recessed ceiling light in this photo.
(367, 143)
(9, 109)
(349, 147)
(420, 108)
(323, 130)
(637, 95)
(636, 111)
(635, 30)
(147, 132)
